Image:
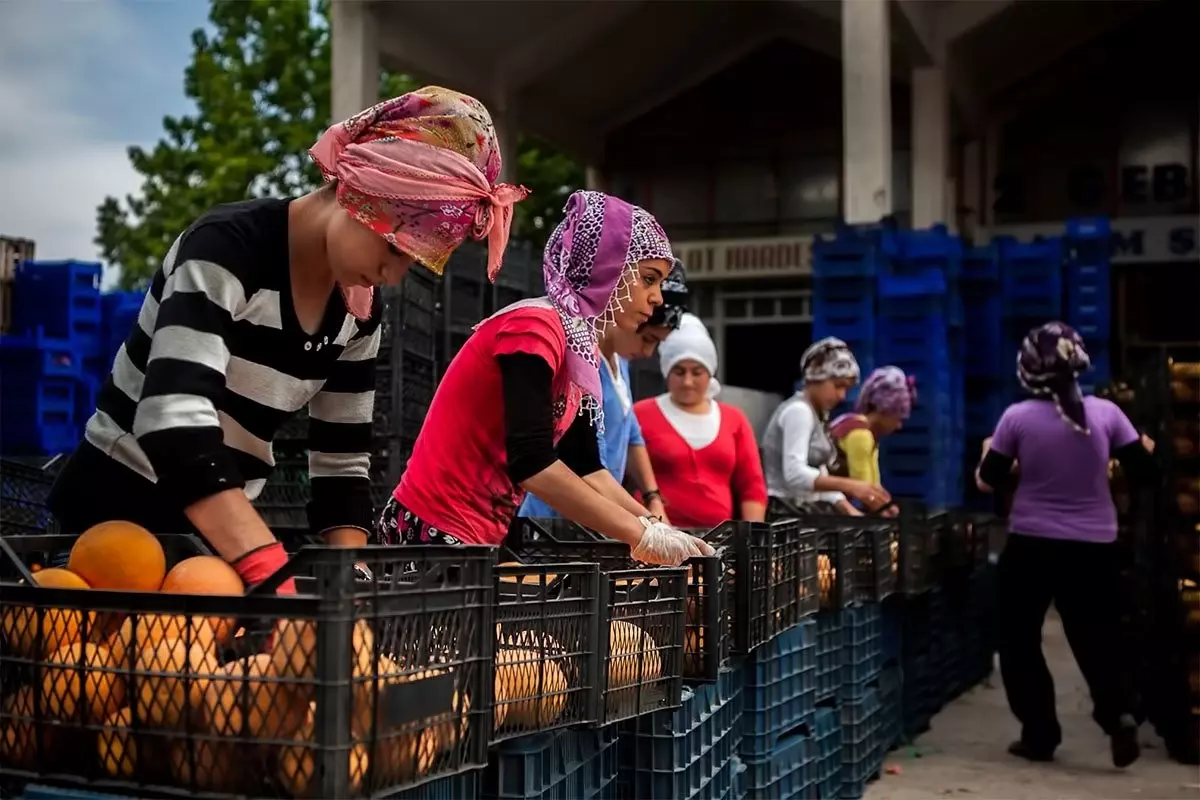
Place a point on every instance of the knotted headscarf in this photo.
(589, 261)
(826, 359)
(889, 391)
(1049, 364)
(420, 170)
(674, 295)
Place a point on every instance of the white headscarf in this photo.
(690, 342)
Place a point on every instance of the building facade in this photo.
(750, 127)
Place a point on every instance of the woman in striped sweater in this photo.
(265, 306)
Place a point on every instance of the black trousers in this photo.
(1083, 581)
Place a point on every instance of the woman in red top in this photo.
(516, 408)
(703, 452)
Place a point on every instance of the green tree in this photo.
(261, 84)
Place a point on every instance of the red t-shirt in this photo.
(456, 479)
(702, 488)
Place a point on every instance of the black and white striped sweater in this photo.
(215, 365)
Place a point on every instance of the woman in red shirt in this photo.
(516, 408)
(703, 452)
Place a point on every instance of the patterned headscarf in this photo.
(420, 170)
(888, 391)
(826, 359)
(675, 295)
(1049, 364)
(589, 262)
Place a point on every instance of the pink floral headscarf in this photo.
(420, 170)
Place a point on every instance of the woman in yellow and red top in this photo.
(885, 402)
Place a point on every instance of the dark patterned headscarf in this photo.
(675, 296)
(827, 359)
(1049, 364)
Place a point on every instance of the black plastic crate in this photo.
(547, 645)
(980, 529)
(347, 689)
(775, 583)
(836, 559)
(916, 535)
(24, 491)
(709, 612)
(641, 637)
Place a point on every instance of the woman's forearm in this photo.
(229, 523)
(571, 496)
(604, 483)
(753, 511)
(832, 483)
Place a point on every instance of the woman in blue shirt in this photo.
(622, 448)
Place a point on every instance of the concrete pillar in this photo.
(866, 111)
(354, 67)
(991, 169)
(930, 146)
(950, 210)
(972, 187)
(594, 179)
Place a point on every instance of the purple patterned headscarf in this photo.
(588, 260)
(889, 391)
(1049, 364)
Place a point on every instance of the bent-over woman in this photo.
(515, 410)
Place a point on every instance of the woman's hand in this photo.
(662, 544)
(1148, 443)
(868, 494)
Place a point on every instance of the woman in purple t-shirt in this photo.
(1061, 547)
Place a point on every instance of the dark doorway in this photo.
(765, 357)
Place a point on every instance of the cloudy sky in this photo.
(80, 81)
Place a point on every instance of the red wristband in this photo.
(260, 564)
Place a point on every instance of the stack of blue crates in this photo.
(779, 699)
(578, 763)
(1089, 293)
(859, 699)
(920, 331)
(120, 314)
(689, 752)
(47, 393)
(845, 273)
(1031, 292)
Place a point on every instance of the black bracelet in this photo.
(650, 494)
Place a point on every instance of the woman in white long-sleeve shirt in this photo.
(797, 448)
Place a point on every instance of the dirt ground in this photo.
(963, 755)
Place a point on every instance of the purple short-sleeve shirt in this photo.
(1063, 490)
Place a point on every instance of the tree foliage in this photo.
(260, 80)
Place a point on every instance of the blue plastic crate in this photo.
(1088, 239)
(780, 688)
(37, 791)
(35, 355)
(680, 753)
(891, 625)
(578, 763)
(782, 773)
(50, 401)
(828, 674)
(1089, 299)
(825, 773)
(862, 643)
(982, 408)
(981, 264)
(451, 787)
(1101, 372)
(890, 700)
(63, 297)
(861, 754)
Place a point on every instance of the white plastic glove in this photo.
(664, 545)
